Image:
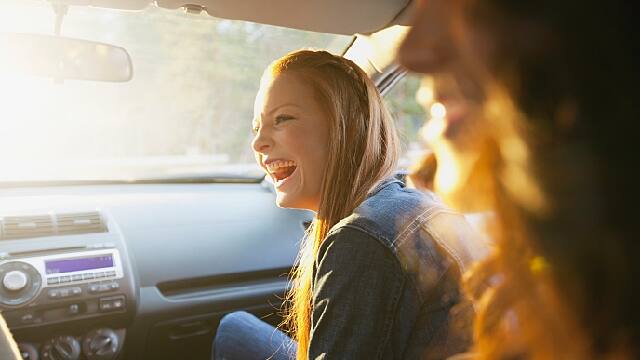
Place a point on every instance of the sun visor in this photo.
(109, 4)
(328, 16)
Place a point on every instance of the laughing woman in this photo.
(379, 269)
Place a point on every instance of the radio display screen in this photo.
(78, 264)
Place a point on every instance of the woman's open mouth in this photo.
(281, 171)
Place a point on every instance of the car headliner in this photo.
(328, 16)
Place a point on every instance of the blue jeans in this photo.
(242, 336)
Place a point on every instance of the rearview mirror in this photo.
(63, 58)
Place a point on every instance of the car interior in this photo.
(132, 214)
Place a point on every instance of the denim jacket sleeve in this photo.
(356, 289)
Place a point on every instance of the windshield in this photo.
(186, 112)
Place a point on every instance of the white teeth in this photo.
(275, 165)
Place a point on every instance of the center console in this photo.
(67, 297)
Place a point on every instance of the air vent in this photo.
(16, 227)
(19, 227)
(80, 223)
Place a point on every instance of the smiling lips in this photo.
(280, 170)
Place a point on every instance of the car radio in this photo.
(55, 287)
(58, 276)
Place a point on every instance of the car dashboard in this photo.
(133, 271)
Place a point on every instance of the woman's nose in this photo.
(262, 142)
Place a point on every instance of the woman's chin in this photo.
(288, 201)
(284, 200)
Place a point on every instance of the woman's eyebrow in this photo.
(281, 106)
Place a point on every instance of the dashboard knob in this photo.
(101, 344)
(19, 283)
(28, 351)
(61, 348)
(15, 280)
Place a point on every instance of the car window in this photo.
(409, 115)
(186, 112)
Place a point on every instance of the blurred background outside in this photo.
(186, 112)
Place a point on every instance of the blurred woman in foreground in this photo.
(556, 81)
(454, 133)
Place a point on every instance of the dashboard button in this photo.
(118, 304)
(64, 292)
(105, 305)
(88, 276)
(65, 279)
(100, 288)
(76, 277)
(53, 280)
(73, 309)
(111, 273)
(112, 304)
(54, 294)
(26, 318)
(100, 275)
(76, 290)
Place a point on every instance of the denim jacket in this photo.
(387, 280)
